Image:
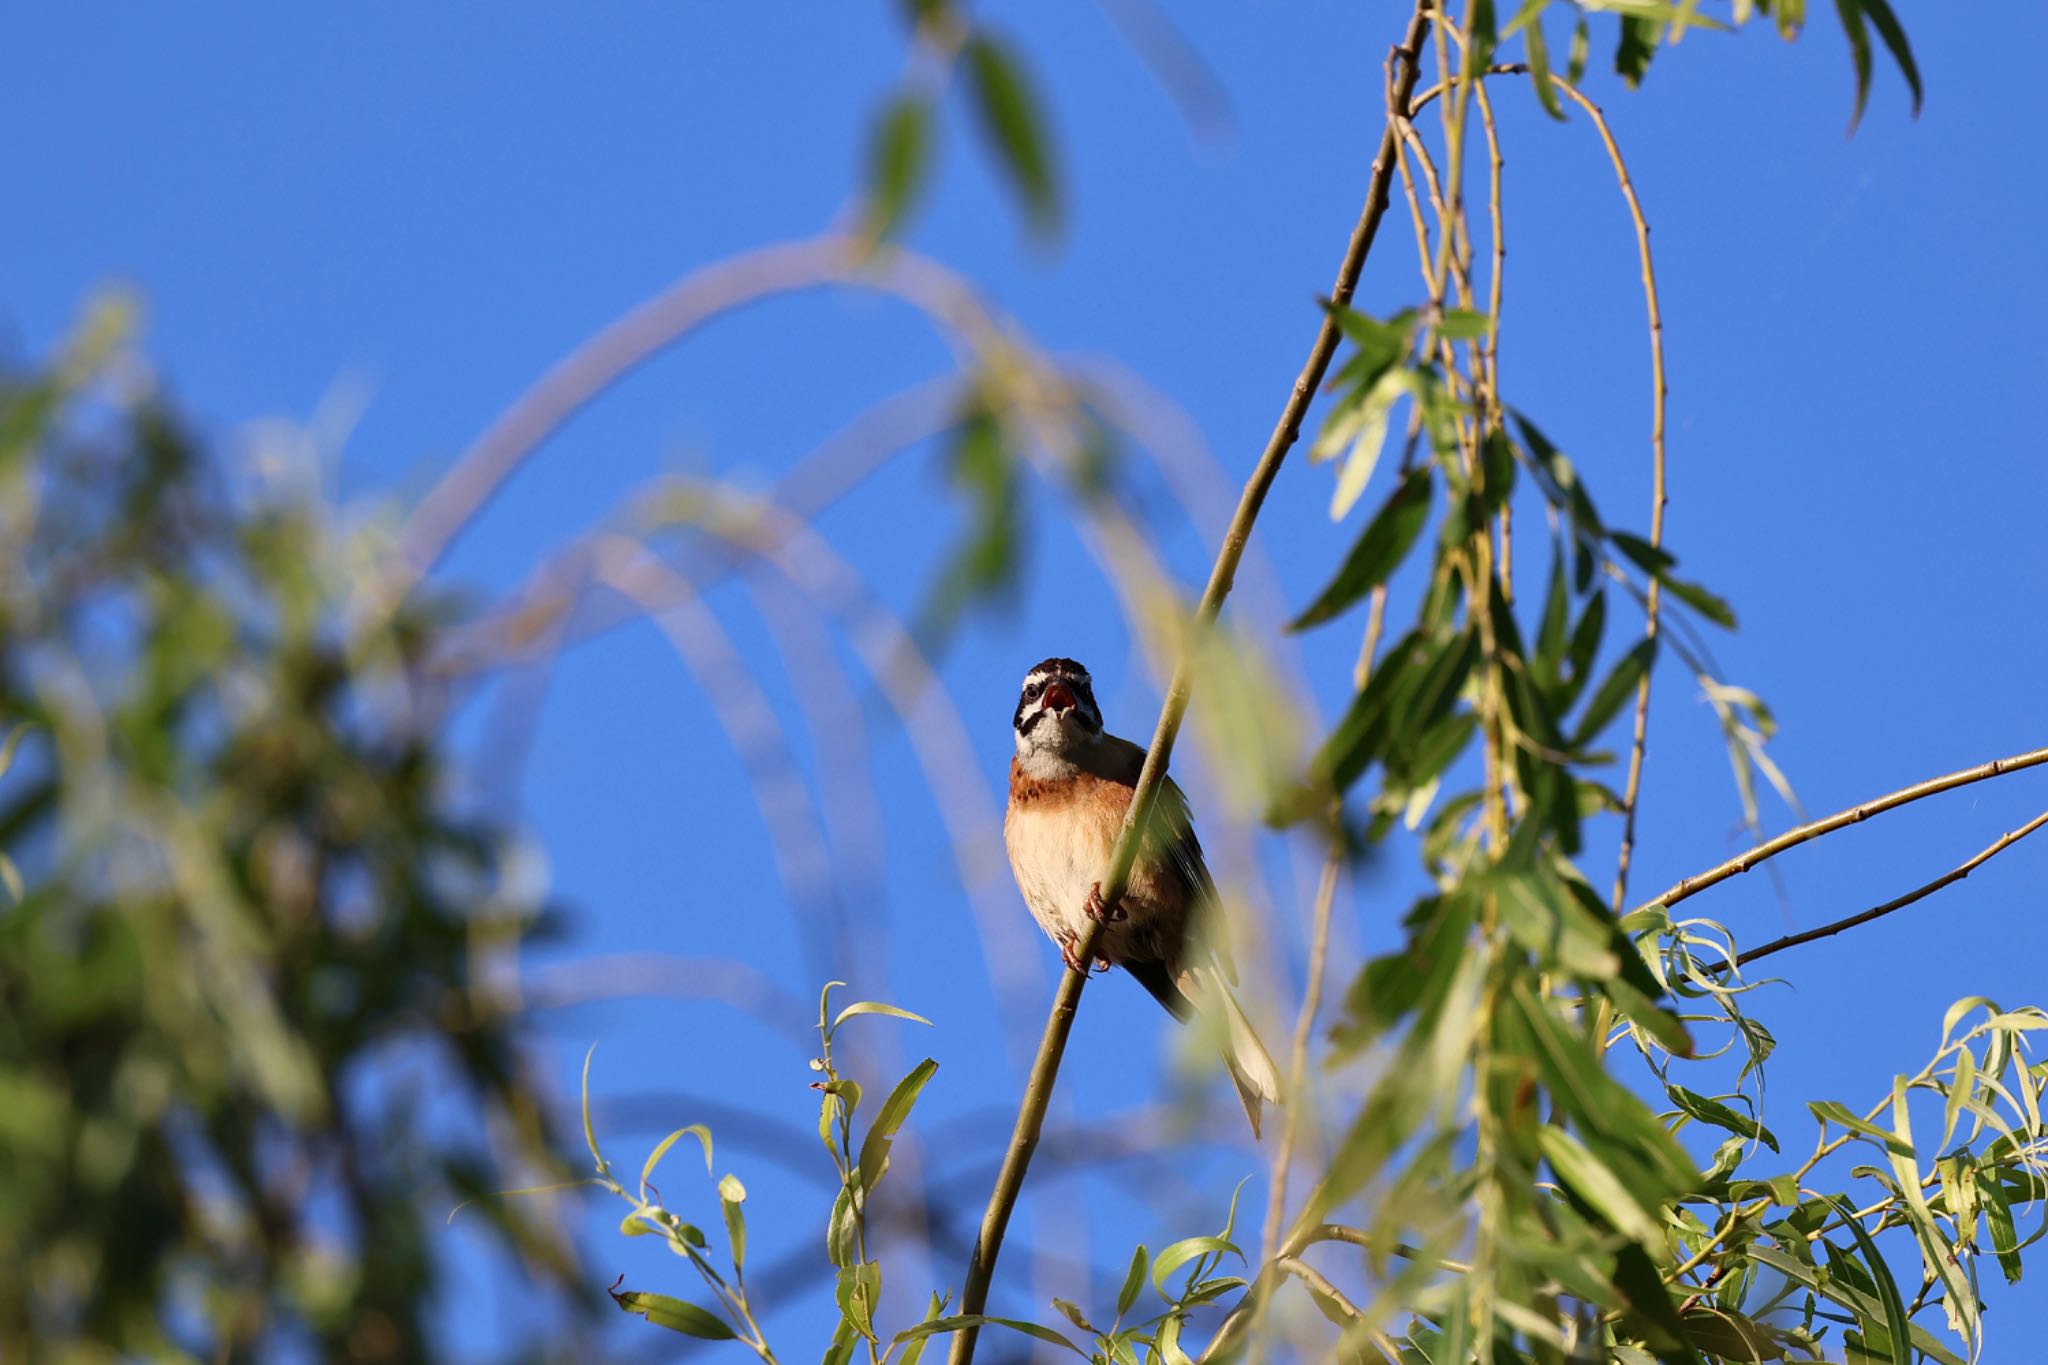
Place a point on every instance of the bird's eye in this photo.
(1033, 689)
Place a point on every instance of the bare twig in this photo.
(1320, 1283)
(1771, 848)
(1659, 390)
(2003, 842)
(1066, 1000)
(613, 976)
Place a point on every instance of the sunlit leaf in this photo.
(676, 1315)
(1379, 550)
(881, 1136)
(876, 1007)
(695, 1130)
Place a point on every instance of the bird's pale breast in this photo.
(1059, 839)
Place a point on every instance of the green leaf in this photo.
(1172, 1258)
(1899, 1336)
(1658, 565)
(874, 1149)
(1834, 1111)
(2005, 1242)
(676, 1315)
(1013, 121)
(912, 1350)
(1072, 1313)
(1583, 649)
(859, 1292)
(1379, 550)
(845, 1337)
(1134, 1281)
(1167, 1341)
(589, 1130)
(899, 157)
(1632, 54)
(1361, 423)
(1881, 17)
(1579, 1171)
(1377, 347)
(1614, 691)
(1859, 53)
(695, 1130)
(1600, 1105)
(1720, 1115)
(1538, 49)
(1463, 324)
(1541, 916)
(1959, 1297)
(732, 1194)
(876, 1007)
(1411, 690)
(941, 1326)
(841, 1229)
(1575, 62)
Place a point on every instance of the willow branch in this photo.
(1316, 1280)
(1067, 999)
(1792, 838)
(1953, 875)
(1659, 391)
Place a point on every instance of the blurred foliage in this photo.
(248, 1053)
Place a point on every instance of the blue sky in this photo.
(419, 209)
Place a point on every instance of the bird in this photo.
(1071, 783)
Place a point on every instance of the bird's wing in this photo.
(1172, 842)
(1175, 824)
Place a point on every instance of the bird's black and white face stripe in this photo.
(1058, 698)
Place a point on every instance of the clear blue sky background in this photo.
(428, 205)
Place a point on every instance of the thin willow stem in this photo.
(1742, 862)
(1489, 357)
(1067, 998)
(1953, 875)
(1659, 391)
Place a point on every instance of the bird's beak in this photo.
(1057, 698)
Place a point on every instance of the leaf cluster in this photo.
(237, 884)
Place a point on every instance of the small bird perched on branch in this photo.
(1070, 784)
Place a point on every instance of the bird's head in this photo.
(1056, 711)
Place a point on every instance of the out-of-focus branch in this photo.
(795, 829)
(1792, 838)
(937, 735)
(729, 981)
(1066, 1000)
(1956, 874)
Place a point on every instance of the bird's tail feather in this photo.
(1251, 1067)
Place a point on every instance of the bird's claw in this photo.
(1070, 953)
(1097, 911)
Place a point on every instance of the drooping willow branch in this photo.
(1659, 394)
(1404, 68)
(1792, 838)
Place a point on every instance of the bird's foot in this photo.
(1070, 953)
(1094, 909)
